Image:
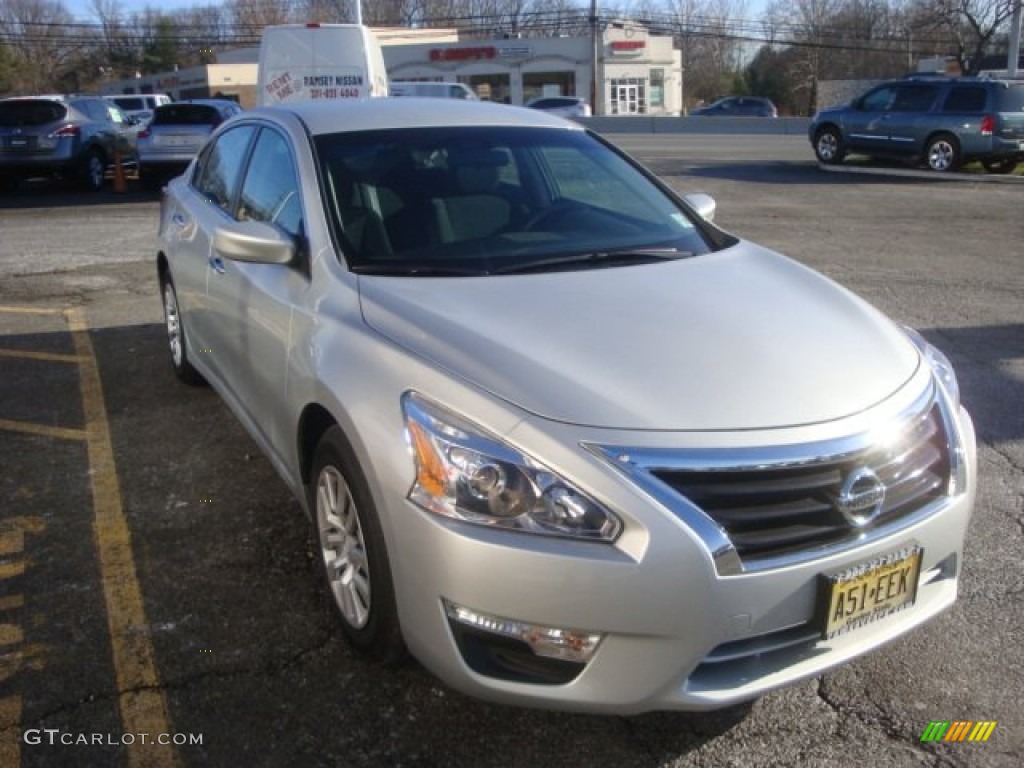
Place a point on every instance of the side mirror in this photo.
(255, 242)
(703, 204)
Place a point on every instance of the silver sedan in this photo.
(559, 436)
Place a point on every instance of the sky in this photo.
(81, 9)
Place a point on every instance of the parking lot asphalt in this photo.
(156, 577)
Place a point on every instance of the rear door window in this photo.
(965, 98)
(26, 113)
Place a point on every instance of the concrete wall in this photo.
(695, 124)
(834, 93)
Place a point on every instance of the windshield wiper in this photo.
(588, 258)
(416, 270)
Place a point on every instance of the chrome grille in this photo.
(773, 510)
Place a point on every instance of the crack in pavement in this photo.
(884, 723)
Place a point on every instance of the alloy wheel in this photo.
(343, 547)
(173, 321)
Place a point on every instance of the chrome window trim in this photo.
(638, 464)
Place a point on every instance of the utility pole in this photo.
(1013, 57)
(593, 56)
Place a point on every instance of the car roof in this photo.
(206, 102)
(376, 114)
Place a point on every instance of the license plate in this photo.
(14, 143)
(176, 141)
(869, 591)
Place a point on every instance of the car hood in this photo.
(739, 339)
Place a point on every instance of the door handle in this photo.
(179, 221)
(217, 265)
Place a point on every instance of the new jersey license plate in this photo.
(869, 591)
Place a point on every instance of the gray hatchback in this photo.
(944, 122)
(76, 137)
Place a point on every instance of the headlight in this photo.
(940, 365)
(464, 473)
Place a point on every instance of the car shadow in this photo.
(65, 193)
(981, 356)
(806, 173)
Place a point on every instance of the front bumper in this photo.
(678, 635)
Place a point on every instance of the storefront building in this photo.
(638, 73)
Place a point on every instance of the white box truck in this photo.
(301, 62)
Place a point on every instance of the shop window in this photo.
(490, 87)
(657, 88)
(537, 84)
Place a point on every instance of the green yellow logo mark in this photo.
(958, 730)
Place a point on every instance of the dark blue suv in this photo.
(941, 121)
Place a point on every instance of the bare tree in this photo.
(252, 15)
(973, 26)
(37, 34)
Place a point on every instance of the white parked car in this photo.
(564, 106)
(559, 436)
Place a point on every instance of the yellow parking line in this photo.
(142, 703)
(30, 428)
(12, 602)
(10, 735)
(48, 356)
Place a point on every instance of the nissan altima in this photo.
(558, 435)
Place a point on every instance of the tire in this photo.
(942, 154)
(1002, 165)
(353, 559)
(828, 146)
(175, 328)
(94, 170)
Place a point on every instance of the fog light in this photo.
(549, 642)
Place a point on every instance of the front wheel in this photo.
(353, 555)
(828, 146)
(176, 337)
(1002, 165)
(943, 153)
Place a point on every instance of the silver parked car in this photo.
(559, 436)
(176, 132)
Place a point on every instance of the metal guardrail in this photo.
(702, 125)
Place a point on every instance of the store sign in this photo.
(519, 52)
(628, 46)
(463, 54)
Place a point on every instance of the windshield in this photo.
(469, 200)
